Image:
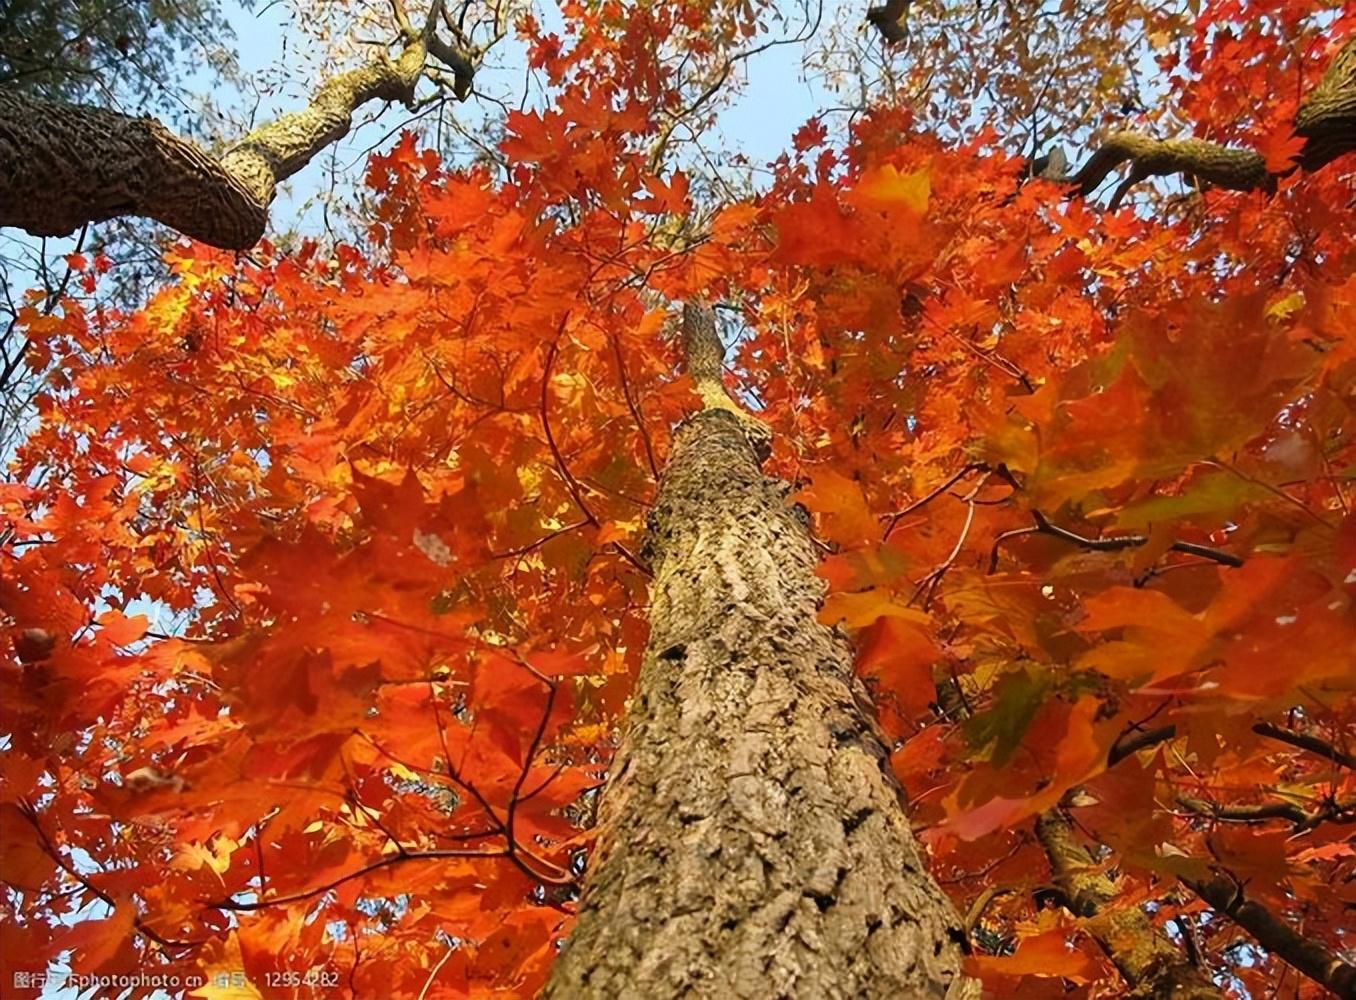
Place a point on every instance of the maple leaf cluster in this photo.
(1083, 478)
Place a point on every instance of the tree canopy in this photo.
(104, 48)
(1079, 469)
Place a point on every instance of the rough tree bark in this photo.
(753, 839)
(63, 165)
(1327, 118)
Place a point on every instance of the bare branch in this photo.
(1305, 742)
(1114, 543)
(1140, 739)
(1262, 812)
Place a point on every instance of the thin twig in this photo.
(1114, 543)
(933, 494)
(1306, 742)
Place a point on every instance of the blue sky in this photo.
(776, 99)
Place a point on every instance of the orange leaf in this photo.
(1047, 954)
(844, 516)
(1280, 148)
(121, 630)
(96, 942)
(24, 863)
(865, 607)
(900, 655)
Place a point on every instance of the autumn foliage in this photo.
(1083, 481)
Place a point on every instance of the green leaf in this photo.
(1017, 698)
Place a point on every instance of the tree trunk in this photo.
(753, 839)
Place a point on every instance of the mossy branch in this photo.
(1326, 121)
(64, 165)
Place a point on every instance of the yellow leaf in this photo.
(226, 979)
(863, 608)
(888, 184)
(195, 856)
(1284, 308)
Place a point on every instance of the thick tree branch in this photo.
(63, 165)
(1306, 954)
(891, 19)
(1326, 121)
(1327, 118)
(1145, 956)
(1236, 169)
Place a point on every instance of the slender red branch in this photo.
(933, 494)
(397, 858)
(634, 408)
(50, 849)
(523, 550)
(571, 483)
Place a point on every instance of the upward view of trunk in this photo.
(753, 841)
